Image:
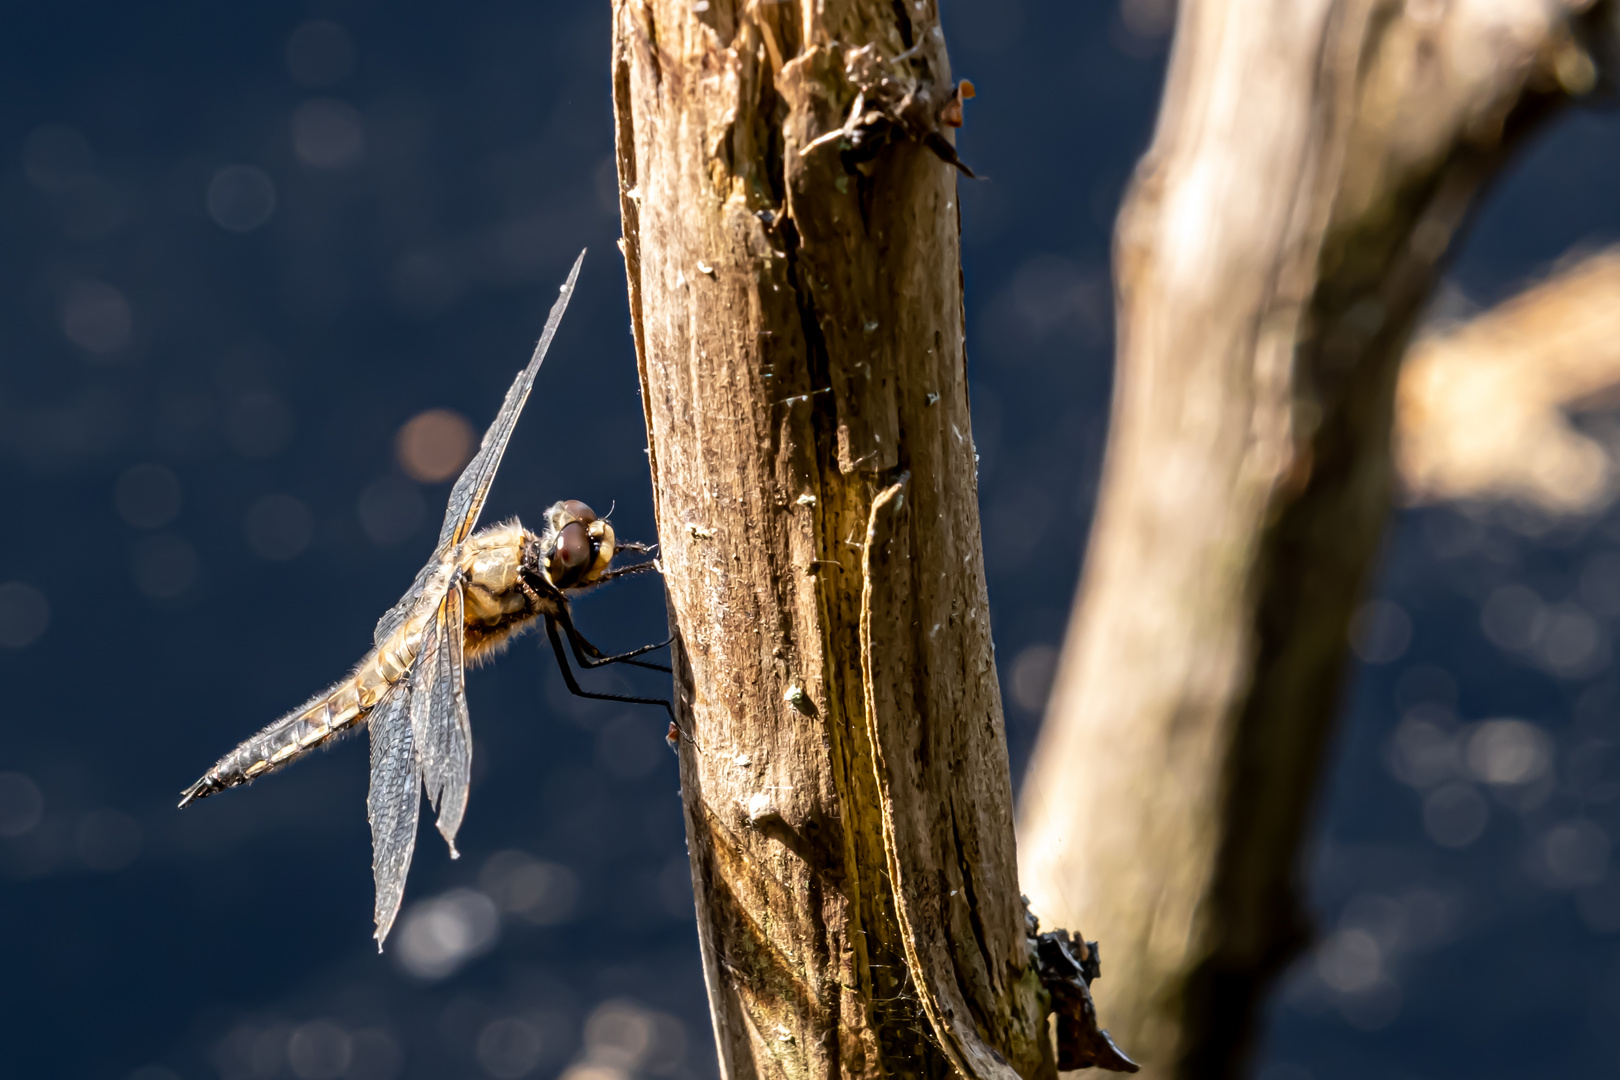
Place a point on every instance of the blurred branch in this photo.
(1312, 163)
(787, 188)
(1482, 408)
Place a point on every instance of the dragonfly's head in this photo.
(577, 547)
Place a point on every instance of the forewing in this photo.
(394, 802)
(395, 616)
(439, 721)
(472, 487)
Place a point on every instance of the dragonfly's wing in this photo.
(395, 616)
(472, 488)
(439, 715)
(394, 802)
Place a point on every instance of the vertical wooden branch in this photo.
(1312, 162)
(791, 241)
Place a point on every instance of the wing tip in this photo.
(566, 289)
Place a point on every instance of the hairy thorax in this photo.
(498, 600)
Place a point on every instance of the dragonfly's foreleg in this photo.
(676, 732)
(573, 684)
(589, 656)
(627, 571)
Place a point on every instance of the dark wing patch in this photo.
(394, 802)
(439, 716)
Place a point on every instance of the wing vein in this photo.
(393, 804)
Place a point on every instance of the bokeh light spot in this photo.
(675, 887)
(54, 157)
(390, 510)
(619, 1033)
(1600, 583)
(1422, 752)
(92, 208)
(319, 54)
(1455, 815)
(97, 317)
(438, 935)
(509, 1048)
(328, 135)
(319, 1051)
(1575, 853)
(1507, 752)
(1569, 642)
(1509, 617)
(148, 496)
(259, 425)
(622, 1037)
(24, 615)
(1599, 905)
(631, 746)
(374, 1055)
(241, 198)
(1373, 1008)
(1032, 674)
(165, 566)
(432, 446)
(22, 804)
(279, 527)
(1148, 18)
(1350, 961)
(107, 840)
(543, 893)
(1283, 1070)
(1380, 631)
(422, 284)
(153, 1072)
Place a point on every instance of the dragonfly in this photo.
(475, 594)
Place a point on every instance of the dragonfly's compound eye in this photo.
(574, 553)
(579, 511)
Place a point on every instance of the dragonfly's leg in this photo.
(627, 571)
(589, 656)
(573, 684)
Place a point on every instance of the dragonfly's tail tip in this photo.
(203, 788)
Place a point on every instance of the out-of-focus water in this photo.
(241, 248)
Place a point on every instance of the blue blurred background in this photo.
(243, 246)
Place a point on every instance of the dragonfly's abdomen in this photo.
(327, 716)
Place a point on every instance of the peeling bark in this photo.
(788, 193)
(1312, 162)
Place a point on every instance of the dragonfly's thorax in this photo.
(492, 570)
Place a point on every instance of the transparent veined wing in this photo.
(395, 616)
(439, 722)
(393, 803)
(472, 486)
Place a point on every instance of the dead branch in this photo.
(1482, 410)
(788, 186)
(1312, 163)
